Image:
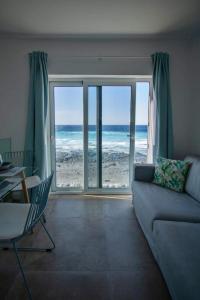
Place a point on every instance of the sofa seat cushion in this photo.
(178, 246)
(153, 202)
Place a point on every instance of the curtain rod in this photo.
(102, 57)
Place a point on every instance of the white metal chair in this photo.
(18, 219)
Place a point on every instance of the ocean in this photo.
(115, 155)
(115, 139)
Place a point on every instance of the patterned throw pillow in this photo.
(171, 174)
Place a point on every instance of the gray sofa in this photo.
(171, 224)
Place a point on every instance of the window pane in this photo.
(141, 121)
(69, 136)
(116, 102)
(92, 137)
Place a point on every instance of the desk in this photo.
(11, 174)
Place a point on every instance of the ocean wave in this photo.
(115, 145)
(77, 155)
(67, 145)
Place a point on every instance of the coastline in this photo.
(115, 168)
(115, 154)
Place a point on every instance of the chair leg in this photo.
(31, 249)
(40, 249)
(22, 271)
(49, 236)
(44, 218)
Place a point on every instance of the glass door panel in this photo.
(92, 138)
(116, 104)
(141, 121)
(68, 114)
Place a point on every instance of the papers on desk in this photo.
(12, 172)
(8, 185)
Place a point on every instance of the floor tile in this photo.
(63, 286)
(101, 253)
(142, 284)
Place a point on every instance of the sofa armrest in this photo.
(144, 172)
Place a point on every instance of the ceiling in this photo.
(99, 17)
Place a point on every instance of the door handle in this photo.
(52, 139)
(132, 137)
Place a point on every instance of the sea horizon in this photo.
(108, 127)
(115, 153)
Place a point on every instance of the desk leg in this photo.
(24, 188)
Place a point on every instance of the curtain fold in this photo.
(35, 139)
(161, 86)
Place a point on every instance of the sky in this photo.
(115, 105)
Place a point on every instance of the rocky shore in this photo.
(115, 168)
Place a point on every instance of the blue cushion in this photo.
(144, 172)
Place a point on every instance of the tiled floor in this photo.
(100, 253)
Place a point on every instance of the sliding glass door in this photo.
(93, 134)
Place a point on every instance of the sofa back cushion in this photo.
(192, 186)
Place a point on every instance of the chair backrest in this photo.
(38, 203)
(21, 159)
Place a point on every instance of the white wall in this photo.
(195, 96)
(14, 75)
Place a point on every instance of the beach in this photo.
(115, 155)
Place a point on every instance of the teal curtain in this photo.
(35, 139)
(161, 86)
